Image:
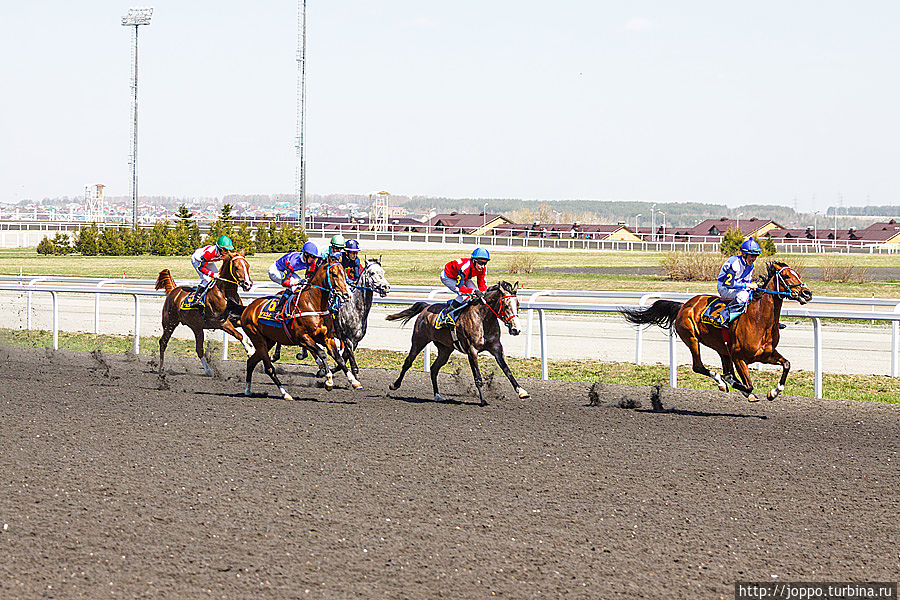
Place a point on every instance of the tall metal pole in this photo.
(134, 150)
(301, 112)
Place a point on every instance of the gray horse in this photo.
(352, 317)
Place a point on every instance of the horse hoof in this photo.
(439, 398)
(523, 394)
(320, 373)
(357, 386)
(752, 398)
(394, 386)
(288, 398)
(723, 387)
(771, 395)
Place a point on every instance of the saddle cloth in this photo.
(715, 313)
(270, 308)
(190, 302)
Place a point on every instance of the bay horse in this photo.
(352, 318)
(221, 310)
(310, 326)
(751, 338)
(477, 329)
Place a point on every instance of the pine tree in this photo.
(45, 247)
(243, 239)
(731, 242)
(112, 242)
(61, 244)
(263, 241)
(160, 239)
(88, 241)
(224, 225)
(768, 246)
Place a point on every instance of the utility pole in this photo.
(301, 112)
(135, 18)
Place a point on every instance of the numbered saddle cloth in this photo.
(270, 308)
(716, 313)
(191, 301)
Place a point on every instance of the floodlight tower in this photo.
(301, 112)
(135, 18)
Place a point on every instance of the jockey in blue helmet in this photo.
(735, 281)
(294, 269)
(466, 278)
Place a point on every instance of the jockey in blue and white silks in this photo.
(735, 280)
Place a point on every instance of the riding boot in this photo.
(202, 290)
(732, 311)
(285, 304)
(448, 315)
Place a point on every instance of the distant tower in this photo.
(381, 210)
(93, 199)
(135, 18)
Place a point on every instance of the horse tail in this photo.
(661, 312)
(165, 281)
(409, 313)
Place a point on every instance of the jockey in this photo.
(286, 271)
(463, 276)
(734, 282)
(350, 260)
(203, 260)
(337, 245)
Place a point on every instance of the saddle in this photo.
(720, 313)
(192, 300)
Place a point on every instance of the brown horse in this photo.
(221, 310)
(477, 329)
(310, 326)
(751, 338)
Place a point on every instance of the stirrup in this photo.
(444, 320)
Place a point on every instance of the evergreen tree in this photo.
(768, 246)
(112, 242)
(62, 245)
(45, 247)
(731, 242)
(135, 242)
(263, 241)
(224, 225)
(88, 241)
(161, 239)
(186, 236)
(243, 239)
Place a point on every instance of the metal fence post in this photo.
(895, 345)
(55, 321)
(224, 345)
(530, 327)
(137, 324)
(545, 372)
(639, 336)
(817, 356)
(673, 359)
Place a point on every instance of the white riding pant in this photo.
(451, 285)
(278, 277)
(204, 278)
(741, 296)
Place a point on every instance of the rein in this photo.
(780, 281)
(356, 286)
(334, 302)
(231, 271)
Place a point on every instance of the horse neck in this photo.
(769, 304)
(310, 295)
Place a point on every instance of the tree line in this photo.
(178, 239)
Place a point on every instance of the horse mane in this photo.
(771, 269)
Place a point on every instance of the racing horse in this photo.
(751, 338)
(221, 310)
(477, 329)
(309, 325)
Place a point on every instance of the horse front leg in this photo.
(335, 352)
(440, 360)
(744, 373)
(198, 340)
(476, 373)
(497, 353)
(774, 358)
(417, 345)
(229, 328)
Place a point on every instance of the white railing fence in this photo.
(69, 285)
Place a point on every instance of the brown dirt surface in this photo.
(117, 482)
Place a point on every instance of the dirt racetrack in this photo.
(116, 483)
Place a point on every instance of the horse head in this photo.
(330, 277)
(782, 278)
(508, 304)
(373, 277)
(237, 269)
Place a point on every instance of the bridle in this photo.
(334, 301)
(780, 282)
(502, 306)
(231, 260)
(358, 286)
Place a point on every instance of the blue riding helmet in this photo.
(310, 248)
(352, 246)
(751, 247)
(481, 254)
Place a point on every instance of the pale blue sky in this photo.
(706, 101)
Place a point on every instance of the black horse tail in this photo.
(661, 312)
(409, 313)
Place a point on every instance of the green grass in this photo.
(421, 267)
(800, 383)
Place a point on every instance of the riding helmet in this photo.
(352, 245)
(481, 254)
(224, 242)
(311, 249)
(338, 241)
(751, 247)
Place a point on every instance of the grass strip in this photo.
(870, 388)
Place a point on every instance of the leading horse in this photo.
(477, 329)
(309, 325)
(751, 338)
(222, 308)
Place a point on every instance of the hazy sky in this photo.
(707, 101)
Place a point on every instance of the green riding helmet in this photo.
(338, 242)
(224, 242)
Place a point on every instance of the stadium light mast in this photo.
(135, 18)
(301, 112)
